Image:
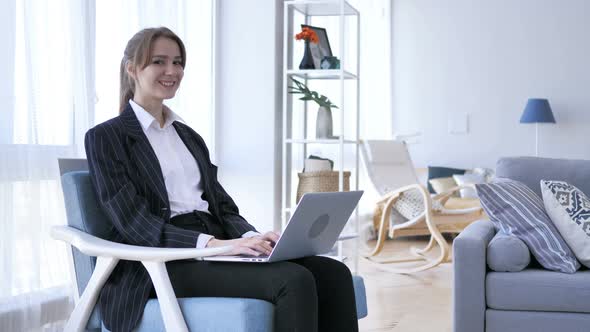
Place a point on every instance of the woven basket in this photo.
(323, 181)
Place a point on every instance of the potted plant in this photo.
(324, 119)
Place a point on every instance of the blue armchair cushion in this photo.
(507, 253)
(515, 209)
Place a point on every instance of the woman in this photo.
(154, 179)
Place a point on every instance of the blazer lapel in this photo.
(202, 162)
(141, 150)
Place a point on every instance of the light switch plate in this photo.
(458, 124)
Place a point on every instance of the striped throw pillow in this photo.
(516, 209)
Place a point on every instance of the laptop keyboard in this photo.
(252, 256)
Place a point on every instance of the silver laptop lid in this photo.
(315, 225)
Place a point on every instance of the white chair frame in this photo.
(109, 253)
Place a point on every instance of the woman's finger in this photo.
(259, 245)
(271, 236)
(241, 250)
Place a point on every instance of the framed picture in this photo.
(322, 48)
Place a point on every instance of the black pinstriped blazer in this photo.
(130, 187)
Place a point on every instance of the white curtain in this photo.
(46, 116)
(60, 77)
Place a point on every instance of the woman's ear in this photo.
(130, 69)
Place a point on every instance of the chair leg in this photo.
(383, 214)
(436, 238)
(79, 317)
(422, 252)
(171, 314)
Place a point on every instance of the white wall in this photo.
(485, 58)
(248, 107)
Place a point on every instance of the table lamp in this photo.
(537, 111)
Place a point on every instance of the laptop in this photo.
(312, 230)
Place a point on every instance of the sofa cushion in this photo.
(442, 184)
(467, 179)
(538, 290)
(435, 172)
(530, 170)
(569, 210)
(537, 321)
(516, 209)
(507, 253)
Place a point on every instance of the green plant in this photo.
(301, 88)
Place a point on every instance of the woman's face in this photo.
(161, 78)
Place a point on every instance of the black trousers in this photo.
(309, 294)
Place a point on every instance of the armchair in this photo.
(87, 226)
(392, 173)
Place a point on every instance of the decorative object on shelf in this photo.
(320, 49)
(316, 164)
(324, 118)
(310, 37)
(324, 181)
(330, 62)
(323, 123)
(537, 111)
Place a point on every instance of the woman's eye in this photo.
(178, 62)
(158, 62)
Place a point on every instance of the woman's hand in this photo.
(254, 246)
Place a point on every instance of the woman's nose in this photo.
(171, 69)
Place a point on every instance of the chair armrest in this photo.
(469, 272)
(94, 246)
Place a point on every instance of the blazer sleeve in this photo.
(117, 194)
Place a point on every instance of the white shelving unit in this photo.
(307, 10)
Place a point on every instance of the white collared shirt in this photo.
(182, 176)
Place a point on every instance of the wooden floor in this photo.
(406, 303)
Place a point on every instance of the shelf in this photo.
(326, 74)
(322, 8)
(295, 129)
(320, 141)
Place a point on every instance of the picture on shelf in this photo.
(321, 49)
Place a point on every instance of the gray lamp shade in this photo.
(537, 110)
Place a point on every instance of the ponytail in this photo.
(127, 89)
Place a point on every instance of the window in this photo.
(65, 59)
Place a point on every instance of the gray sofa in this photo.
(533, 299)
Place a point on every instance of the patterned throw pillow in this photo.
(516, 209)
(569, 210)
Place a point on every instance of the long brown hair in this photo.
(138, 52)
